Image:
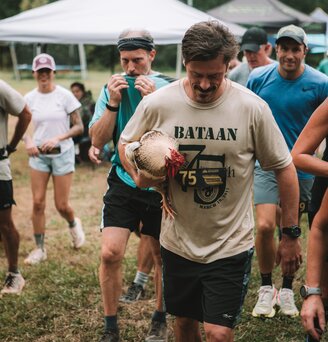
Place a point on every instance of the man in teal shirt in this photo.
(125, 205)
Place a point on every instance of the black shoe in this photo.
(157, 332)
(135, 292)
(110, 336)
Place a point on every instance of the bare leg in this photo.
(10, 237)
(62, 187)
(144, 255)
(39, 181)
(187, 330)
(265, 243)
(218, 333)
(156, 252)
(113, 245)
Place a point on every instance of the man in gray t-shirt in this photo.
(11, 102)
(256, 50)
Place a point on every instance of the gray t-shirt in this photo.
(11, 102)
(240, 73)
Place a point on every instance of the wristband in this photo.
(10, 149)
(111, 108)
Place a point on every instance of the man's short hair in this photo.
(207, 40)
(133, 39)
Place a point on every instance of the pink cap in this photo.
(43, 61)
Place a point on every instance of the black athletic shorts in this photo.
(6, 194)
(212, 293)
(126, 207)
(318, 190)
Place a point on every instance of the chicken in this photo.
(156, 156)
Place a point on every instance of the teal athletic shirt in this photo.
(292, 102)
(130, 100)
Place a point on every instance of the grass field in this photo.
(61, 300)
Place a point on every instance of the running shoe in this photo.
(287, 303)
(14, 283)
(266, 302)
(157, 332)
(110, 336)
(134, 293)
(77, 233)
(36, 256)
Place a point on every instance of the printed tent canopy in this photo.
(269, 14)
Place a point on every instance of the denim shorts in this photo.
(58, 165)
(266, 187)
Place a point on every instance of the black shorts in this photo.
(212, 293)
(6, 194)
(318, 190)
(126, 207)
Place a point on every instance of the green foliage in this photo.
(29, 4)
(9, 8)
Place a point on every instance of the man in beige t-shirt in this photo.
(222, 128)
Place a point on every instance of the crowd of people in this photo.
(259, 122)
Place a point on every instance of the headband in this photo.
(135, 43)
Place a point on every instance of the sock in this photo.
(141, 279)
(71, 224)
(13, 270)
(266, 279)
(111, 323)
(39, 240)
(159, 316)
(287, 282)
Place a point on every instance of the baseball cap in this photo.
(43, 61)
(293, 32)
(253, 38)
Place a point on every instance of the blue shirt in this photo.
(292, 102)
(130, 100)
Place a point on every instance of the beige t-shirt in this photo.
(212, 194)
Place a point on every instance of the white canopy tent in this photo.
(99, 22)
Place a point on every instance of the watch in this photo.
(292, 231)
(307, 291)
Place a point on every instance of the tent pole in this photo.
(14, 60)
(178, 62)
(83, 62)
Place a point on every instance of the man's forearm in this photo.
(289, 195)
(101, 132)
(23, 121)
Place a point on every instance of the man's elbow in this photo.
(80, 129)
(26, 115)
(289, 169)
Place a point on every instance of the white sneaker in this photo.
(14, 283)
(77, 233)
(36, 256)
(266, 302)
(287, 303)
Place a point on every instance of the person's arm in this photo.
(316, 255)
(311, 137)
(24, 119)
(101, 132)
(289, 252)
(76, 129)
